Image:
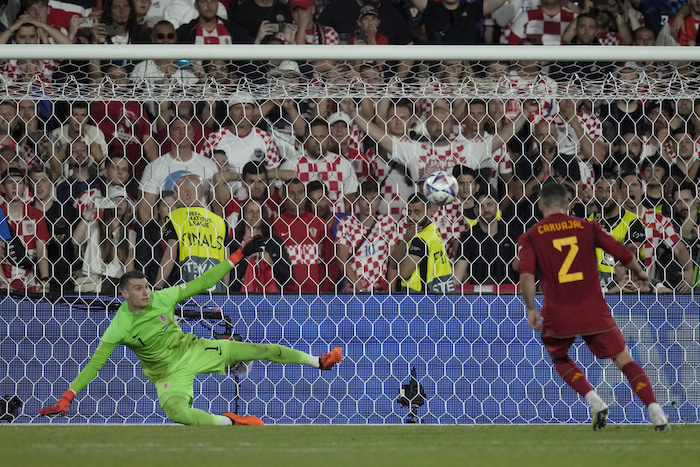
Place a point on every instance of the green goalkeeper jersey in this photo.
(154, 335)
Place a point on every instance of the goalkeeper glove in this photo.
(60, 407)
(249, 247)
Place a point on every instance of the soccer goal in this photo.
(100, 141)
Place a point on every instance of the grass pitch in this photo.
(330, 446)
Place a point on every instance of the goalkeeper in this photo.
(146, 324)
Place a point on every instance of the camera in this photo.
(278, 27)
(360, 35)
(184, 64)
(9, 408)
(412, 395)
(102, 203)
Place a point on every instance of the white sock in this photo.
(314, 361)
(657, 415)
(595, 401)
(225, 421)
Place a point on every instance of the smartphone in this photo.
(184, 64)
(360, 35)
(111, 30)
(88, 22)
(278, 27)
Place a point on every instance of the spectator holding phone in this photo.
(119, 25)
(272, 16)
(267, 271)
(368, 23)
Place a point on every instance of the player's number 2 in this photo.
(564, 274)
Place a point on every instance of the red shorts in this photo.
(606, 344)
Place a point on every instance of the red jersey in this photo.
(561, 249)
(689, 32)
(309, 248)
(125, 125)
(20, 261)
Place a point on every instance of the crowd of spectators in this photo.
(171, 186)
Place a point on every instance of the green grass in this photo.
(362, 446)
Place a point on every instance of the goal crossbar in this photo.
(348, 52)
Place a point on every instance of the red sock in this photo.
(640, 382)
(573, 375)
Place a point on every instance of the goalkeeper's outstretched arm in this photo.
(215, 274)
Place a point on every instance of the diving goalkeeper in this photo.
(146, 324)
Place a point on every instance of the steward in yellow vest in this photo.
(421, 259)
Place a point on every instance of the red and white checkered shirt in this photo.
(30, 229)
(257, 145)
(330, 36)
(219, 35)
(452, 224)
(25, 154)
(44, 72)
(537, 25)
(525, 87)
(305, 238)
(672, 149)
(394, 187)
(423, 159)
(609, 38)
(334, 171)
(437, 90)
(371, 259)
(473, 152)
(659, 228)
(569, 143)
(360, 163)
(503, 164)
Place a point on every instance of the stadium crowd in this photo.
(94, 189)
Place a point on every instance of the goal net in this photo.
(167, 160)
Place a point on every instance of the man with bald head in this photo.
(197, 238)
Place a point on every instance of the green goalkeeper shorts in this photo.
(202, 357)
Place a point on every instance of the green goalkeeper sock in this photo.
(244, 351)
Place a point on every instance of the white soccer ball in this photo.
(440, 188)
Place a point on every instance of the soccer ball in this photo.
(440, 188)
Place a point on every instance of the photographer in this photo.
(254, 16)
(455, 22)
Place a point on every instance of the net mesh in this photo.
(94, 139)
(575, 122)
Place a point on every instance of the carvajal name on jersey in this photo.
(557, 226)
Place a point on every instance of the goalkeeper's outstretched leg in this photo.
(235, 352)
(178, 410)
(175, 393)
